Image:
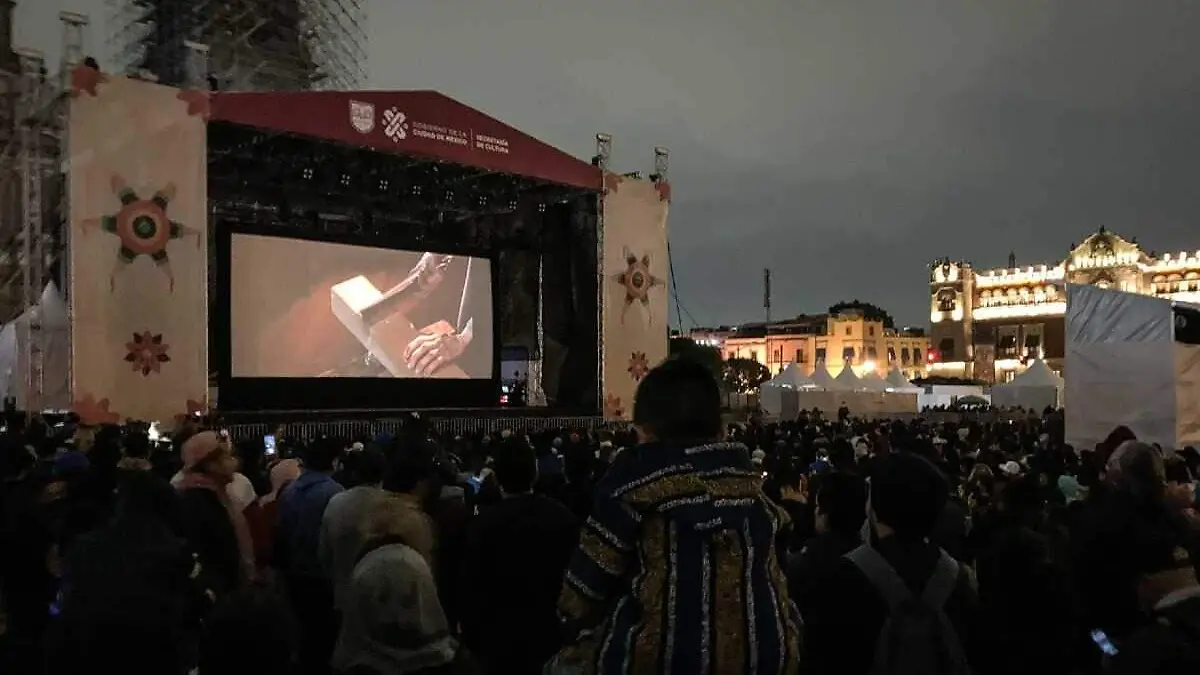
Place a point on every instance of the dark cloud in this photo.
(842, 144)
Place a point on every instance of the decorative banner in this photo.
(635, 287)
(138, 189)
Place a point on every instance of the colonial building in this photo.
(835, 340)
(987, 324)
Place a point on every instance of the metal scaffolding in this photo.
(253, 45)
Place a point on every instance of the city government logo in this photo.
(362, 116)
(395, 125)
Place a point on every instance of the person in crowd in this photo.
(392, 621)
(681, 513)
(296, 553)
(249, 632)
(896, 579)
(213, 523)
(513, 565)
(341, 526)
(1167, 640)
(240, 489)
(263, 514)
(841, 510)
(133, 576)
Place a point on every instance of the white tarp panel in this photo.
(821, 377)
(791, 376)
(770, 394)
(1187, 395)
(846, 380)
(1121, 367)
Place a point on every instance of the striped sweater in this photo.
(676, 570)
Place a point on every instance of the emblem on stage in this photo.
(143, 227)
(395, 125)
(362, 116)
(637, 281)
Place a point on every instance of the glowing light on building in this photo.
(1020, 311)
(1014, 277)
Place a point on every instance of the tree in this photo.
(872, 312)
(742, 376)
(705, 355)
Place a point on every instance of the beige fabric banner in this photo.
(138, 189)
(635, 271)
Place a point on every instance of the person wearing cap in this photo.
(213, 522)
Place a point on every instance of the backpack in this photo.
(917, 637)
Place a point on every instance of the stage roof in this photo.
(424, 123)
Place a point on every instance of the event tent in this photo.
(49, 321)
(1035, 388)
(1132, 360)
(873, 382)
(770, 394)
(821, 377)
(897, 382)
(846, 380)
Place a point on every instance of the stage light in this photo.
(512, 205)
(383, 185)
(542, 207)
(308, 174)
(416, 189)
(345, 180)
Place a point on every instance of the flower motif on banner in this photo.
(195, 408)
(94, 413)
(147, 352)
(612, 407)
(664, 190)
(86, 80)
(638, 365)
(199, 103)
(637, 281)
(143, 228)
(612, 181)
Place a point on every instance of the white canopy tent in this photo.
(821, 377)
(770, 394)
(846, 380)
(873, 382)
(897, 382)
(1036, 388)
(47, 323)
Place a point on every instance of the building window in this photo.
(849, 330)
(947, 300)
(1033, 345)
(946, 347)
(916, 356)
(872, 354)
(779, 355)
(1006, 347)
(891, 353)
(848, 355)
(800, 354)
(871, 331)
(820, 355)
(904, 355)
(754, 355)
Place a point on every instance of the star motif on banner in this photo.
(86, 80)
(199, 103)
(613, 409)
(143, 228)
(664, 190)
(147, 352)
(194, 408)
(612, 181)
(638, 365)
(93, 412)
(637, 280)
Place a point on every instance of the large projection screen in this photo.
(311, 309)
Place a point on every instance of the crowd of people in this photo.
(683, 545)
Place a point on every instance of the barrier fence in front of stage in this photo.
(451, 426)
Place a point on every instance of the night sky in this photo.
(842, 144)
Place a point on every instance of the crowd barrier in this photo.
(451, 426)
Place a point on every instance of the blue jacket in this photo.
(298, 534)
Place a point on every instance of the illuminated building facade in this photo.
(835, 340)
(988, 324)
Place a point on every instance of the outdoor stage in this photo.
(352, 254)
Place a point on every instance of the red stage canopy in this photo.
(422, 123)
